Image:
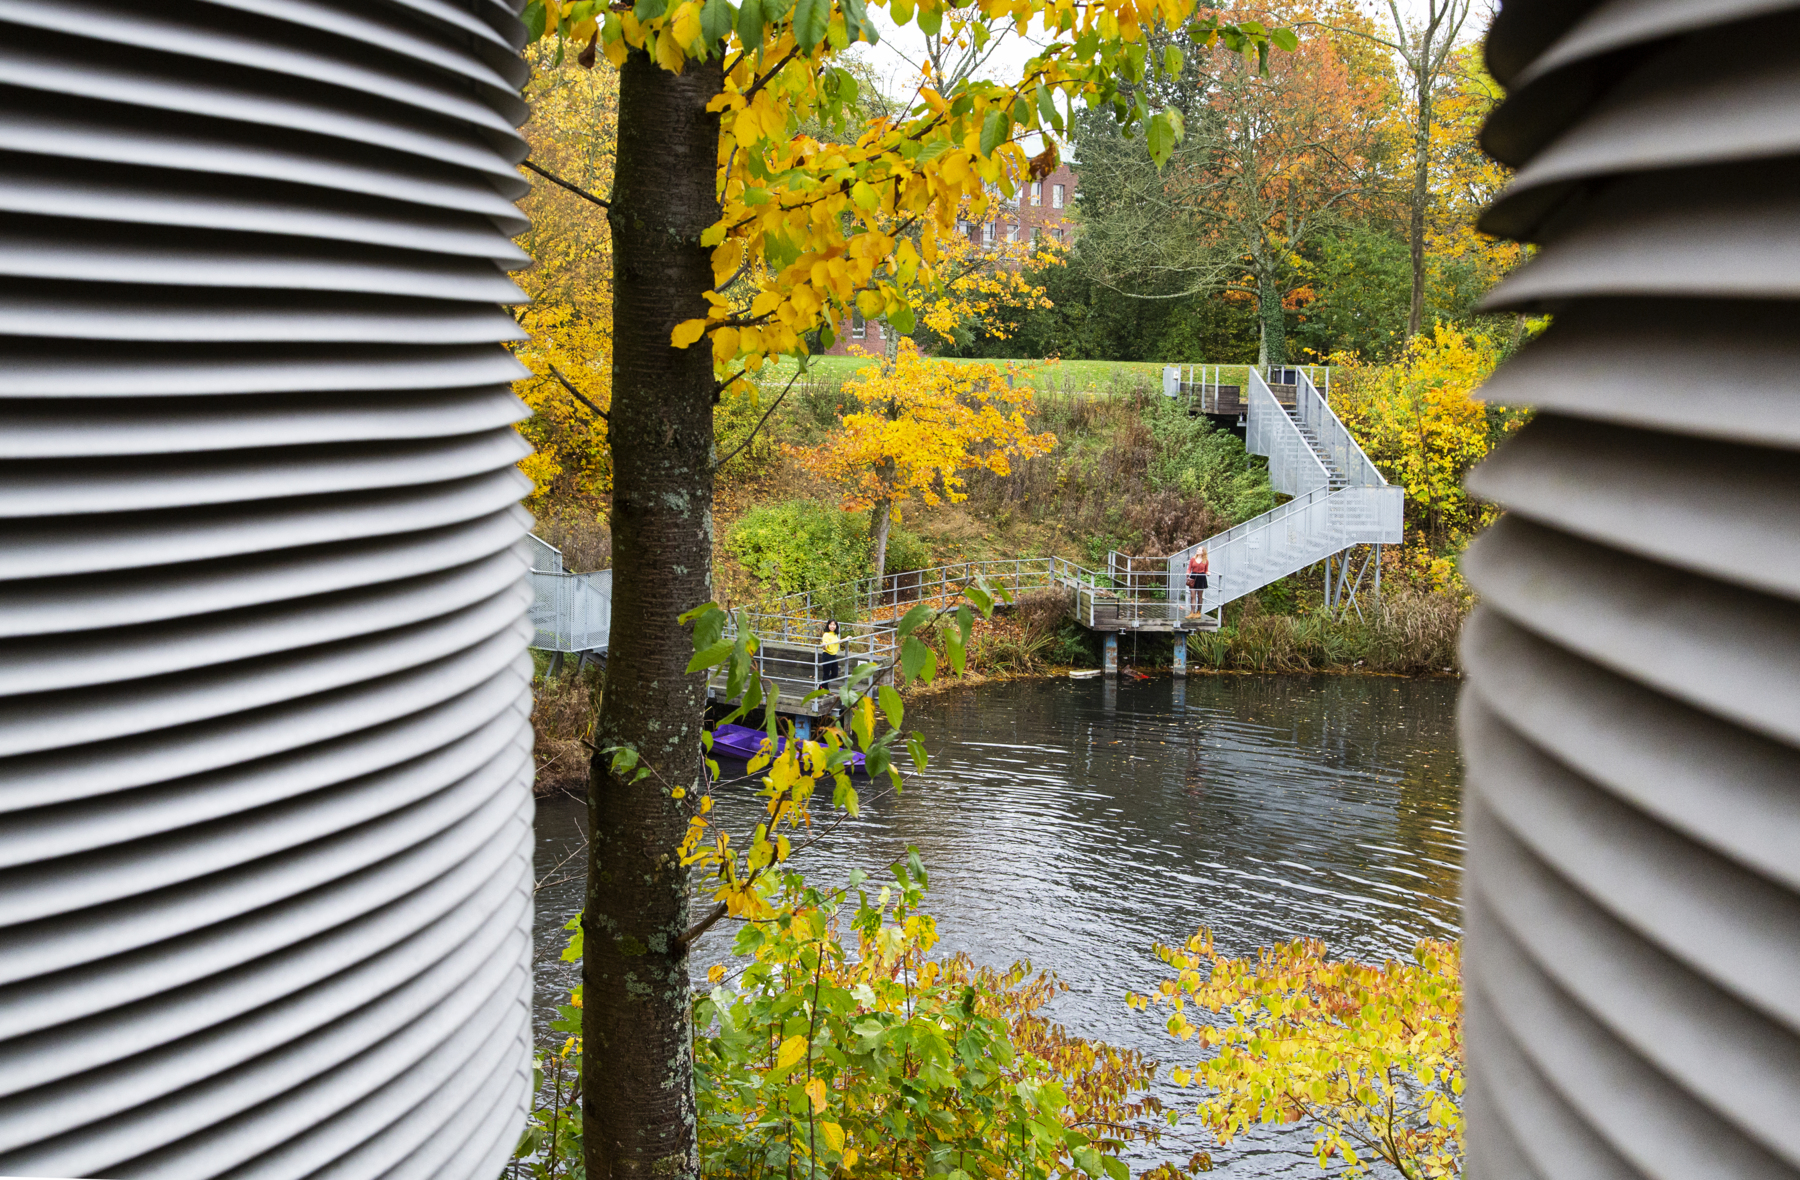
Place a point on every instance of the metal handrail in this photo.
(1339, 445)
(1294, 467)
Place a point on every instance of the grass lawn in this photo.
(1091, 377)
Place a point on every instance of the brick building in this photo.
(1040, 210)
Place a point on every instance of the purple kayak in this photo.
(743, 742)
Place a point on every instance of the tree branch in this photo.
(553, 178)
(773, 406)
(703, 925)
(568, 385)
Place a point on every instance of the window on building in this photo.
(1012, 233)
(1037, 193)
(1056, 196)
(858, 326)
(1023, 189)
(1037, 235)
(987, 232)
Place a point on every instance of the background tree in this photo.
(571, 133)
(1270, 161)
(921, 425)
(733, 225)
(1427, 48)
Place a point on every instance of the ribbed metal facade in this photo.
(265, 887)
(1632, 721)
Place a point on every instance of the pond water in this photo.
(1076, 823)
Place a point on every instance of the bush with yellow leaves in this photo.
(1370, 1057)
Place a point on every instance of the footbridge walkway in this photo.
(1339, 504)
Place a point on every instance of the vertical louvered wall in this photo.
(265, 885)
(1632, 721)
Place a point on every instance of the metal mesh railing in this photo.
(1336, 445)
(1294, 467)
(569, 612)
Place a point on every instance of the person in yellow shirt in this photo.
(831, 643)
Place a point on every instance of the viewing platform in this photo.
(1337, 504)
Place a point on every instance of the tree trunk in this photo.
(1421, 197)
(637, 1072)
(1274, 327)
(881, 519)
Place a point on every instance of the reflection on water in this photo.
(1074, 823)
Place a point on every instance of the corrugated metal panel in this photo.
(265, 848)
(1632, 720)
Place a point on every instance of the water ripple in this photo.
(1075, 823)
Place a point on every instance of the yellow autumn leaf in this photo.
(790, 1053)
(686, 332)
(834, 1139)
(815, 1093)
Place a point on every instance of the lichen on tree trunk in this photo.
(637, 1074)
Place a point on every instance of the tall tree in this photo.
(1271, 158)
(735, 233)
(1426, 48)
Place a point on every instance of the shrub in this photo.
(801, 545)
(1413, 631)
(562, 719)
(1193, 458)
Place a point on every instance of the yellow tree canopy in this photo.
(813, 226)
(574, 120)
(920, 426)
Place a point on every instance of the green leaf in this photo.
(712, 657)
(915, 618)
(715, 22)
(649, 9)
(915, 746)
(1285, 40)
(916, 864)
(965, 622)
(1046, 103)
(995, 128)
(891, 706)
(931, 21)
(534, 17)
(900, 11)
(1172, 60)
(933, 150)
(1160, 135)
(856, 20)
(912, 658)
(958, 654)
(1115, 1167)
(984, 602)
(811, 18)
(902, 320)
(877, 760)
(750, 23)
(709, 624)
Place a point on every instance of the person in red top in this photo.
(1196, 580)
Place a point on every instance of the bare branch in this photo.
(773, 406)
(553, 178)
(577, 394)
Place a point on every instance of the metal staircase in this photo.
(1340, 501)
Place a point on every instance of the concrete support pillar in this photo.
(1110, 658)
(1180, 653)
